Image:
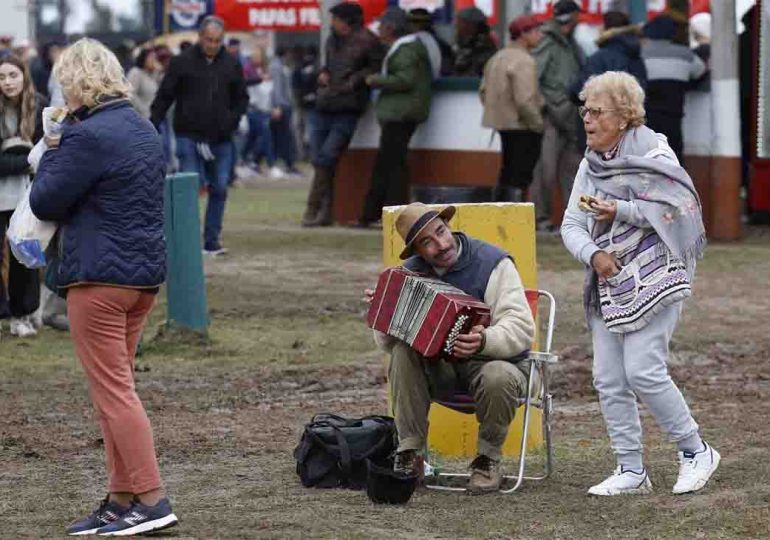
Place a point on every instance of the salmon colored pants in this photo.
(106, 324)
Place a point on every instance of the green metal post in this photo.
(186, 285)
(638, 11)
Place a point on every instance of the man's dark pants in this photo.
(521, 150)
(669, 125)
(390, 177)
(215, 175)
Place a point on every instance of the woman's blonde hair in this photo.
(624, 91)
(87, 70)
(27, 107)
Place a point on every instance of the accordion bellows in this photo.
(425, 312)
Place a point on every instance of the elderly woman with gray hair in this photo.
(634, 219)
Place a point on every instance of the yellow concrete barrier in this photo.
(510, 226)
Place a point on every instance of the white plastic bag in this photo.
(28, 237)
(51, 128)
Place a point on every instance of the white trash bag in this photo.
(28, 237)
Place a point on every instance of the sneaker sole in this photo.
(702, 483)
(645, 489)
(84, 533)
(149, 526)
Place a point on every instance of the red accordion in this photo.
(424, 312)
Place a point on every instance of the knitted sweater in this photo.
(512, 329)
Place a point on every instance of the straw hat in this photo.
(414, 218)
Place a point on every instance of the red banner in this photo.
(283, 15)
(280, 15)
(592, 9)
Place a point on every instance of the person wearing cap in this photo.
(475, 45)
(512, 106)
(559, 59)
(403, 102)
(352, 53)
(421, 25)
(620, 49)
(234, 48)
(490, 367)
(671, 67)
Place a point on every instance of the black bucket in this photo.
(386, 486)
(452, 194)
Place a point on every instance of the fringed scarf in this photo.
(661, 189)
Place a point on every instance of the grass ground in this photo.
(288, 340)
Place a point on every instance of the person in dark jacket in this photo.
(352, 53)
(102, 182)
(207, 84)
(670, 69)
(475, 45)
(620, 49)
(403, 102)
(421, 22)
(41, 66)
(20, 127)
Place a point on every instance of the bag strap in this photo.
(325, 416)
(345, 460)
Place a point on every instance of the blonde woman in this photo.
(634, 219)
(20, 128)
(103, 183)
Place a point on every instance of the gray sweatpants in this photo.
(557, 166)
(627, 366)
(494, 384)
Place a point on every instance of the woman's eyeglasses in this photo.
(595, 112)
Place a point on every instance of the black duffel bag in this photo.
(333, 450)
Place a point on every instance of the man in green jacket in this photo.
(559, 59)
(404, 87)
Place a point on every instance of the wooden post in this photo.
(637, 11)
(726, 137)
(185, 284)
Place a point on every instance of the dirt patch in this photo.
(288, 340)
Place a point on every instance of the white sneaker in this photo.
(623, 483)
(276, 173)
(695, 470)
(22, 328)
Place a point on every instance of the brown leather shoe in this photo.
(485, 475)
(409, 461)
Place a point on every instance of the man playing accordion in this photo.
(484, 360)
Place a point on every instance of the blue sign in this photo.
(181, 15)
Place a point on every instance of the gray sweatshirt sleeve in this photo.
(576, 224)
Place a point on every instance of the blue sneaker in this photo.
(141, 518)
(108, 512)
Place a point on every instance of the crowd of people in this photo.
(529, 90)
(208, 109)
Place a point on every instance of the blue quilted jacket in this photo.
(104, 186)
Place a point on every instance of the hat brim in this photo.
(447, 213)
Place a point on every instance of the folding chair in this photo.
(536, 397)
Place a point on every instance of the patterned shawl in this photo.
(661, 189)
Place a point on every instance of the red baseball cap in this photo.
(522, 25)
